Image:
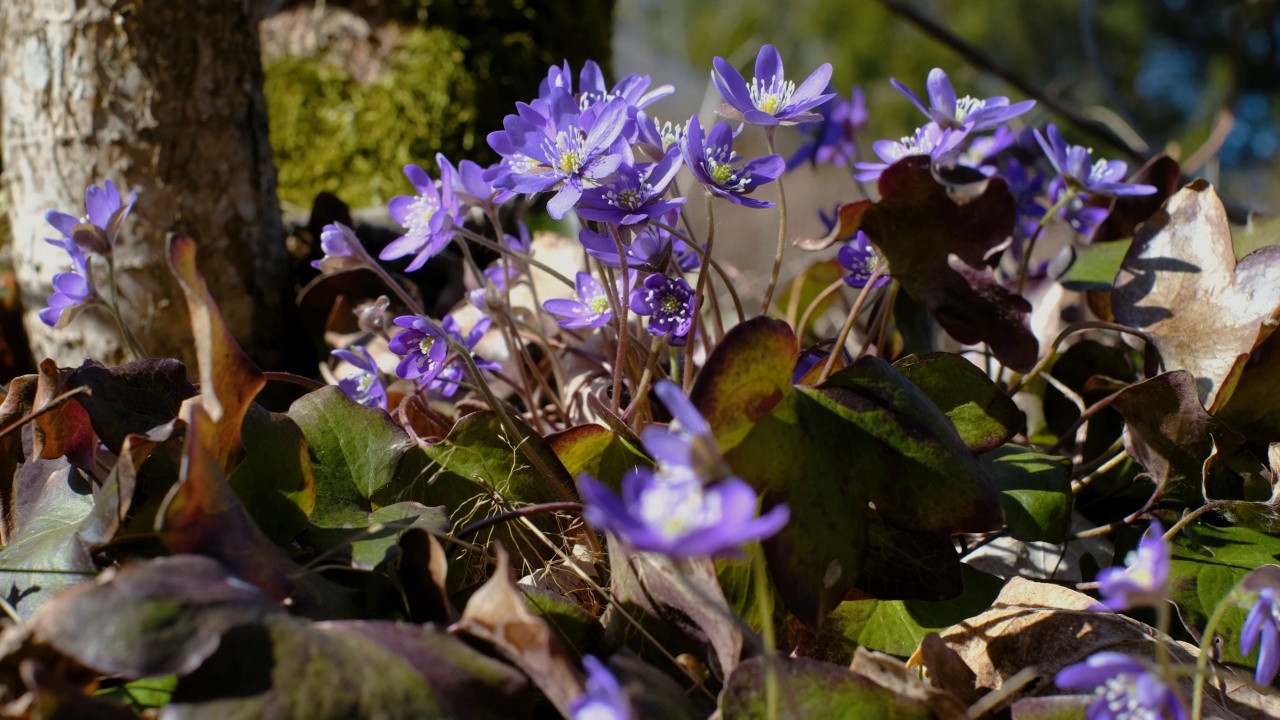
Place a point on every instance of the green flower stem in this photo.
(701, 288)
(1044, 222)
(764, 599)
(621, 313)
(848, 325)
(782, 229)
(113, 309)
(1206, 642)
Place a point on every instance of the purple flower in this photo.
(552, 144)
(686, 447)
(968, 112)
(1082, 216)
(770, 100)
(421, 346)
(634, 89)
(469, 185)
(446, 381)
(104, 212)
(521, 241)
(342, 249)
(364, 385)
(1126, 689)
(982, 151)
(650, 249)
(428, 217)
(1144, 579)
(834, 142)
(861, 260)
(71, 290)
(658, 135)
(591, 309)
(669, 304)
(712, 162)
(1104, 177)
(1263, 623)
(604, 699)
(496, 278)
(677, 516)
(635, 195)
(931, 140)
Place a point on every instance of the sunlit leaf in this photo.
(745, 378)
(1035, 490)
(983, 414)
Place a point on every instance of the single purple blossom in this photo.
(104, 211)
(982, 151)
(604, 699)
(657, 135)
(1104, 177)
(636, 194)
(428, 217)
(634, 89)
(650, 249)
(677, 516)
(342, 249)
(1262, 629)
(939, 144)
(862, 261)
(668, 302)
(553, 144)
(591, 309)
(967, 112)
(1079, 213)
(1144, 579)
(714, 164)
(446, 381)
(421, 346)
(364, 385)
(686, 446)
(469, 185)
(1126, 689)
(71, 290)
(771, 99)
(835, 141)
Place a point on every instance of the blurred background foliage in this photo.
(1162, 73)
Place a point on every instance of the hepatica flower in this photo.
(446, 381)
(1262, 630)
(604, 699)
(834, 142)
(861, 261)
(668, 303)
(1073, 163)
(428, 217)
(770, 99)
(635, 195)
(938, 143)
(105, 213)
(591, 308)
(364, 386)
(71, 290)
(712, 161)
(1126, 689)
(1144, 579)
(687, 442)
(421, 347)
(661, 136)
(469, 185)
(553, 144)
(970, 113)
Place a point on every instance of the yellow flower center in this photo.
(599, 305)
(425, 344)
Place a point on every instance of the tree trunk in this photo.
(161, 96)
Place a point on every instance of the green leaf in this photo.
(598, 452)
(801, 454)
(1207, 563)
(745, 378)
(909, 565)
(1035, 490)
(896, 627)
(812, 689)
(385, 525)
(1095, 266)
(47, 555)
(355, 453)
(983, 414)
(918, 472)
(275, 480)
(152, 692)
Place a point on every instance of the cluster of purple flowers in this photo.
(689, 504)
